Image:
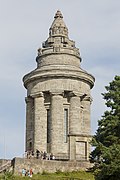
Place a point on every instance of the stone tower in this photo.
(58, 98)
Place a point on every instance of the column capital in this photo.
(37, 94)
(56, 93)
(83, 96)
(88, 98)
(75, 93)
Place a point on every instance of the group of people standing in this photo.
(28, 173)
(40, 155)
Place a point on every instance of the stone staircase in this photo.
(5, 166)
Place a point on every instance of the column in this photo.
(57, 117)
(74, 118)
(40, 123)
(86, 126)
(74, 124)
(29, 122)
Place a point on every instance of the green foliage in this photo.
(45, 172)
(7, 176)
(106, 141)
(58, 171)
(75, 175)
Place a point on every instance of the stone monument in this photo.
(58, 98)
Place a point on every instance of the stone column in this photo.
(40, 123)
(86, 126)
(74, 123)
(29, 122)
(74, 118)
(57, 116)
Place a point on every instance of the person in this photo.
(28, 154)
(23, 172)
(48, 155)
(37, 153)
(44, 155)
(41, 154)
(27, 173)
(32, 152)
(31, 172)
(51, 156)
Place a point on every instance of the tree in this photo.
(106, 141)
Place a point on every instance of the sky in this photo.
(24, 24)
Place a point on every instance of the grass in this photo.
(75, 175)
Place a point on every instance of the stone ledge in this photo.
(51, 166)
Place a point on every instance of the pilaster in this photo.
(72, 148)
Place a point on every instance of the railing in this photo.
(29, 155)
(5, 166)
(60, 157)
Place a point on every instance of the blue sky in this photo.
(93, 25)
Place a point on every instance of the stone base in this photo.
(51, 166)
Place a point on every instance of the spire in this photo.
(58, 27)
(58, 40)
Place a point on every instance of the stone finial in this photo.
(58, 14)
(58, 26)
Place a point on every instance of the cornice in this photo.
(53, 73)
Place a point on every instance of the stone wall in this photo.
(48, 165)
(3, 161)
